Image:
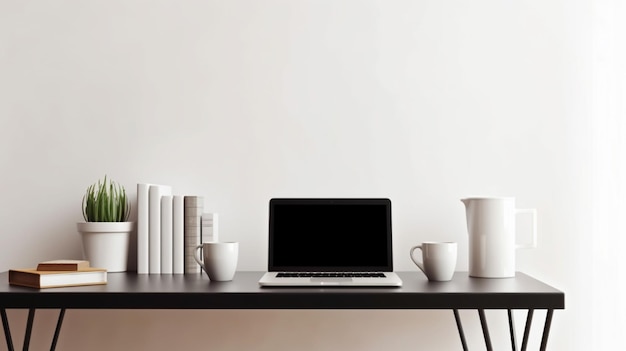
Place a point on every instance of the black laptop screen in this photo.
(330, 235)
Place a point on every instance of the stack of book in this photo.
(58, 273)
(169, 227)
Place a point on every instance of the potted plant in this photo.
(106, 230)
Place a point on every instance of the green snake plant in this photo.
(106, 202)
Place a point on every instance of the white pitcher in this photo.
(491, 229)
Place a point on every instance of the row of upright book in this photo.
(169, 228)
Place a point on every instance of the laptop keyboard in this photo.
(331, 275)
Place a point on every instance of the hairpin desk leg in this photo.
(512, 330)
(546, 330)
(7, 331)
(459, 325)
(529, 320)
(57, 330)
(483, 324)
(29, 328)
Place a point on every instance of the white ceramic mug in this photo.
(439, 260)
(219, 259)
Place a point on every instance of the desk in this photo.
(132, 291)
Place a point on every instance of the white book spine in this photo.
(143, 219)
(167, 237)
(178, 227)
(156, 191)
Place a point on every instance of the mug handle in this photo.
(533, 212)
(419, 264)
(196, 257)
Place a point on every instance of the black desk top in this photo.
(132, 291)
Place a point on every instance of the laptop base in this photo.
(269, 279)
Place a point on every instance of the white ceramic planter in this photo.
(105, 244)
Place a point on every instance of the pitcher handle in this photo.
(533, 212)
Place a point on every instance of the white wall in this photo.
(421, 101)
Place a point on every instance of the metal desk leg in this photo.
(460, 327)
(483, 324)
(29, 329)
(512, 330)
(546, 330)
(7, 331)
(57, 330)
(529, 320)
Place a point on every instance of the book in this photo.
(143, 218)
(33, 278)
(178, 228)
(166, 234)
(63, 265)
(193, 208)
(154, 226)
(209, 231)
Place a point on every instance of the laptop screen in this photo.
(330, 235)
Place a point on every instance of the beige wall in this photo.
(424, 102)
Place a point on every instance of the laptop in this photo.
(330, 242)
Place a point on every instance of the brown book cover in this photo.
(33, 278)
(63, 265)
